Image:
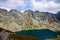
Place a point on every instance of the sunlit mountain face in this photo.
(14, 20)
(31, 23)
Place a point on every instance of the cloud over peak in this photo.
(41, 5)
(12, 4)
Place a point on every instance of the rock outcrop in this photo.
(8, 35)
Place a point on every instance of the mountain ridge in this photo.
(28, 20)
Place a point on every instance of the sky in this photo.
(40, 5)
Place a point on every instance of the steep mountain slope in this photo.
(14, 20)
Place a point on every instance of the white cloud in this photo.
(5, 8)
(53, 7)
(40, 5)
(12, 4)
(43, 5)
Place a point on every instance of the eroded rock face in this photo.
(14, 20)
(8, 35)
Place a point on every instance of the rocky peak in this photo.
(13, 10)
(58, 12)
(3, 12)
(14, 13)
(28, 13)
(57, 15)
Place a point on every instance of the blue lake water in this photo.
(41, 34)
